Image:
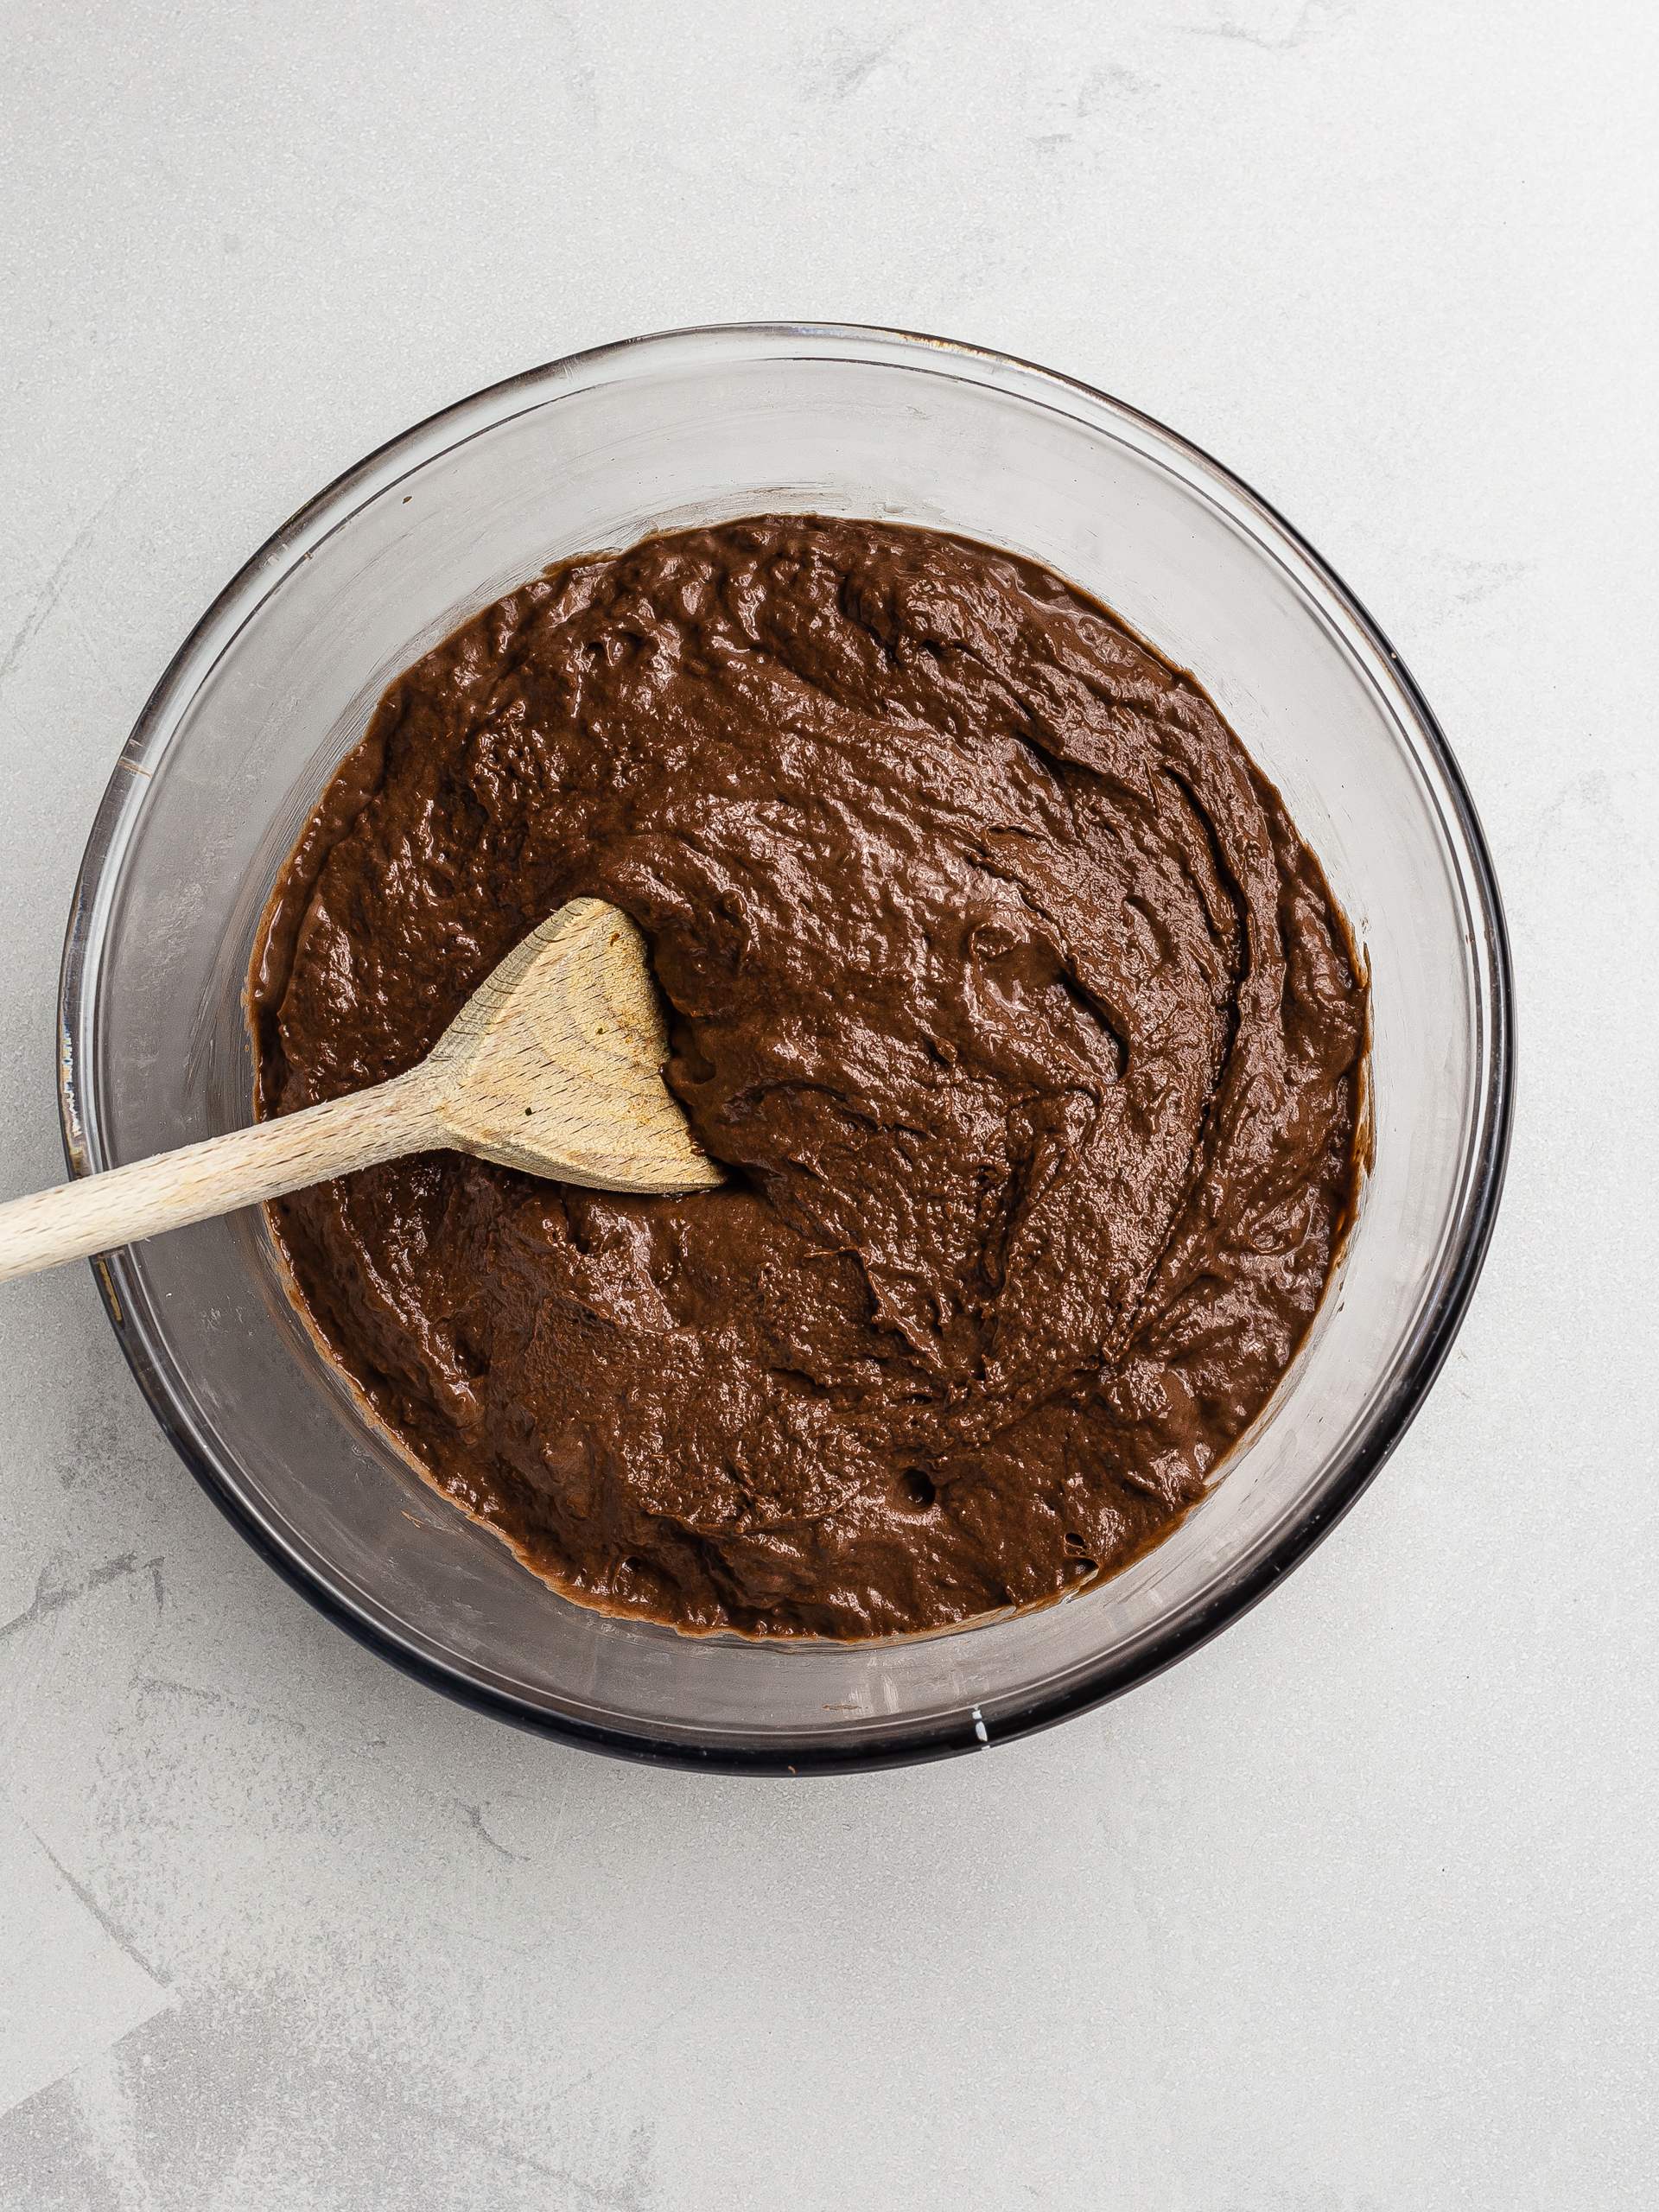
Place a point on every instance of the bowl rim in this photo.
(950, 1736)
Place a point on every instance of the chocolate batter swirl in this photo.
(998, 974)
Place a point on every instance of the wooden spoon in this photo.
(553, 1066)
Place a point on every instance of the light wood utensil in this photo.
(554, 1066)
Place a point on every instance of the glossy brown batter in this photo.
(998, 975)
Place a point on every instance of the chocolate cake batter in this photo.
(999, 975)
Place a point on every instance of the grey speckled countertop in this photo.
(1355, 1911)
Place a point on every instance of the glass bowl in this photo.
(277, 684)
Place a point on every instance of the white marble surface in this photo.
(1355, 1909)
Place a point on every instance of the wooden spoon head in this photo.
(554, 1066)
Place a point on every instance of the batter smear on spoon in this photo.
(998, 975)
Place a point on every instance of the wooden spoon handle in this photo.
(199, 1180)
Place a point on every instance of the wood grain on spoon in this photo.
(554, 1066)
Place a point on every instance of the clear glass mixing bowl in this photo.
(277, 684)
